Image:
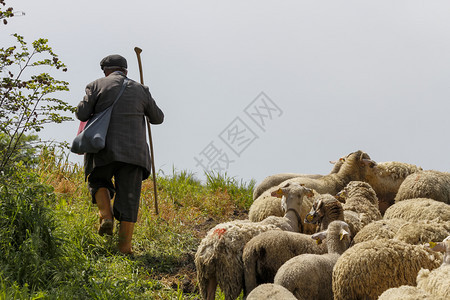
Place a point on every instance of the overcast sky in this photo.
(256, 88)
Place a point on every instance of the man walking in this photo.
(126, 155)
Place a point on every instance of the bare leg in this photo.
(104, 208)
(125, 237)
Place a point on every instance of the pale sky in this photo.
(263, 87)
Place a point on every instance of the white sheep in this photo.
(276, 179)
(219, 256)
(418, 233)
(361, 205)
(443, 247)
(264, 254)
(354, 167)
(381, 229)
(433, 284)
(426, 184)
(407, 292)
(386, 177)
(414, 210)
(369, 268)
(270, 291)
(308, 276)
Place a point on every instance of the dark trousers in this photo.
(126, 188)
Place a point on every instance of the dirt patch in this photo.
(185, 276)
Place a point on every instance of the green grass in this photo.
(50, 248)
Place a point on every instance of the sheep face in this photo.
(339, 227)
(443, 247)
(292, 196)
(316, 214)
(359, 160)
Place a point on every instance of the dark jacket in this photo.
(126, 138)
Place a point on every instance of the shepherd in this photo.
(126, 157)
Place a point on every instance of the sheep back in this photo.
(426, 184)
(381, 229)
(379, 265)
(407, 292)
(265, 205)
(276, 179)
(421, 232)
(264, 254)
(308, 276)
(414, 210)
(270, 291)
(219, 255)
(435, 282)
(386, 178)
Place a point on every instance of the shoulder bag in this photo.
(92, 139)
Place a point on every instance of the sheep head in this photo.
(443, 247)
(316, 214)
(292, 196)
(325, 209)
(356, 165)
(338, 228)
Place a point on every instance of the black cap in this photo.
(114, 60)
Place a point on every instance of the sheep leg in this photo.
(250, 276)
(211, 289)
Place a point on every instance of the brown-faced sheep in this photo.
(360, 207)
(325, 209)
(219, 256)
(308, 276)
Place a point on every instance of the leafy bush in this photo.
(31, 251)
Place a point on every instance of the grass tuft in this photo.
(50, 246)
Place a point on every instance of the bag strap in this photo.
(124, 84)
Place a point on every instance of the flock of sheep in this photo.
(367, 230)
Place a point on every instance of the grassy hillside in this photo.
(52, 251)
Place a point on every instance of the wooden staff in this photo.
(138, 54)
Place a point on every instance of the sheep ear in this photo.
(368, 162)
(343, 234)
(319, 236)
(319, 204)
(341, 196)
(438, 247)
(309, 193)
(278, 193)
(333, 162)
